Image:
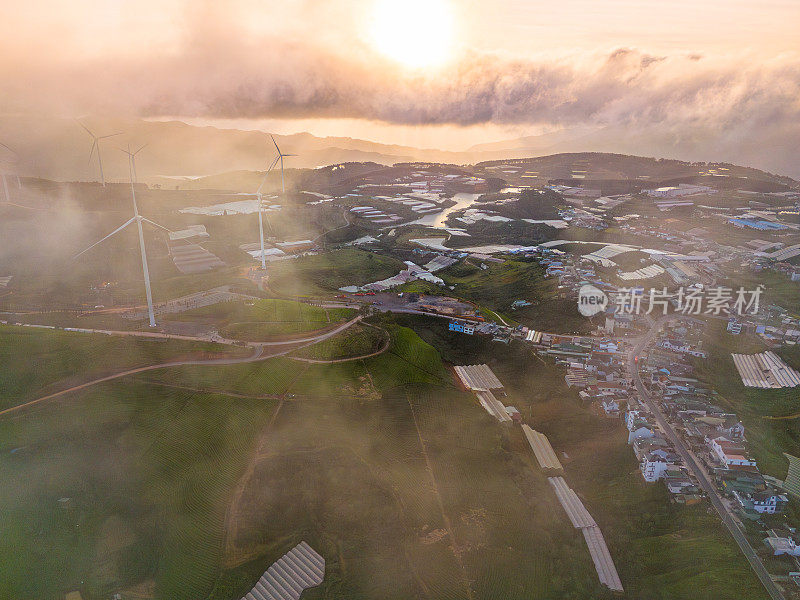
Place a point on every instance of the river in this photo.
(438, 220)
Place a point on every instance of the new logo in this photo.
(591, 300)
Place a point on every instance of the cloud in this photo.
(217, 70)
(216, 75)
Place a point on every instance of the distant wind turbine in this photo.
(96, 146)
(137, 218)
(260, 211)
(3, 173)
(281, 156)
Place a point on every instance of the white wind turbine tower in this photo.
(281, 156)
(260, 210)
(3, 173)
(137, 218)
(96, 146)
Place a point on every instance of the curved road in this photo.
(692, 464)
(257, 355)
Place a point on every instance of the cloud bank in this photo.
(218, 73)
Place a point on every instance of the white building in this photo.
(765, 503)
(640, 430)
(676, 191)
(654, 465)
(729, 454)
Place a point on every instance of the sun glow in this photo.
(415, 33)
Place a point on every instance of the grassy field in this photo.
(34, 360)
(326, 273)
(778, 288)
(262, 319)
(408, 493)
(767, 438)
(501, 283)
(399, 479)
(111, 321)
(125, 484)
(358, 340)
(496, 288)
(661, 550)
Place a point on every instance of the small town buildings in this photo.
(730, 454)
(782, 543)
(656, 464)
(515, 415)
(743, 481)
(766, 502)
(611, 407)
(641, 429)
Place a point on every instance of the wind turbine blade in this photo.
(142, 147)
(9, 148)
(86, 128)
(156, 224)
(264, 179)
(117, 230)
(276, 143)
(290, 155)
(102, 137)
(91, 152)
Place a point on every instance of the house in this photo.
(734, 327)
(730, 454)
(782, 545)
(595, 365)
(746, 482)
(678, 482)
(609, 345)
(515, 415)
(641, 429)
(644, 445)
(766, 502)
(631, 417)
(462, 327)
(654, 465)
(727, 425)
(611, 407)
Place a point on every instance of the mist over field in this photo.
(419, 300)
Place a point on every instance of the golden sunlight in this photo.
(415, 33)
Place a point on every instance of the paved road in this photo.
(692, 464)
(259, 354)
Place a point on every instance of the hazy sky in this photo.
(447, 73)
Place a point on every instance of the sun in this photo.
(415, 33)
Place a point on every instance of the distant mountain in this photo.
(699, 144)
(58, 148)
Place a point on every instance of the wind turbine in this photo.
(96, 146)
(260, 210)
(3, 173)
(281, 156)
(137, 218)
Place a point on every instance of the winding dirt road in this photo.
(260, 353)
